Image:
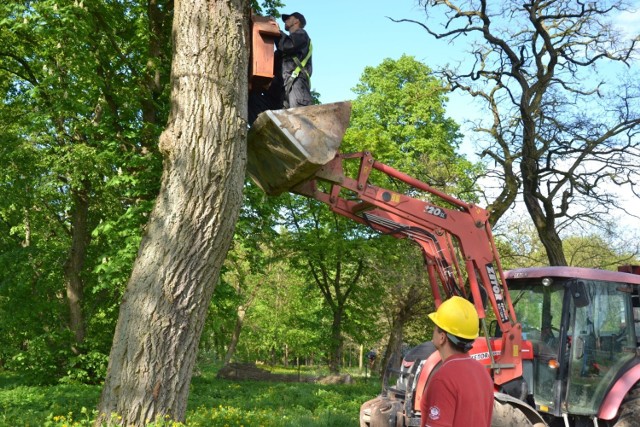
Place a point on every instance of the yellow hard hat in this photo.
(458, 317)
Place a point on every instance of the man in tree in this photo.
(295, 51)
(291, 85)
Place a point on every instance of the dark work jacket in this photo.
(296, 44)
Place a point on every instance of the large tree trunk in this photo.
(80, 238)
(190, 229)
(337, 341)
(393, 352)
(235, 337)
(543, 217)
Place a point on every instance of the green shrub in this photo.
(212, 402)
(87, 368)
(44, 359)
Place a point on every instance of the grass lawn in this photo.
(212, 402)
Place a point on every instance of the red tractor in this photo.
(580, 363)
(561, 343)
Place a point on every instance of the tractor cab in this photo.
(583, 328)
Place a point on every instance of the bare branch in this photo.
(558, 131)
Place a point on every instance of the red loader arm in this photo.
(457, 242)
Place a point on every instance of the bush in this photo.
(44, 359)
(88, 368)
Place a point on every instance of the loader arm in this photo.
(296, 150)
(456, 241)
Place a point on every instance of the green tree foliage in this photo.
(406, 299)
(518, 245)
(245, 270)
(593, 251)
(83, 97)
(268, 304)
(284, 323)
(399, 115)
(331, 252)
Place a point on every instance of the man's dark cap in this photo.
(298, 15)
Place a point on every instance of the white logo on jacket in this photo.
(434, 413)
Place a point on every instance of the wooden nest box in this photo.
(264, 33)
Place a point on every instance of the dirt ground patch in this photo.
(249, 371)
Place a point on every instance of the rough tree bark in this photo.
(191, 226)
(73, 266)
(235, 337)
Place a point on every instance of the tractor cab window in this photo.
(602, 339)
(538, 308)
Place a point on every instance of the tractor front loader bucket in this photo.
(287, 147)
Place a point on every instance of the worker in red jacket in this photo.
(460, 393)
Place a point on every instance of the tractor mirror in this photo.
(579, 293)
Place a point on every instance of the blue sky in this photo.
(349, 35)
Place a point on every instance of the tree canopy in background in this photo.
(81, 167)
(399, 114)
(519, 247)
(342, 268)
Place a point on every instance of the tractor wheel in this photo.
(506, 415)
(629, 408)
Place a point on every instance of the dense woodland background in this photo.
(85, 98)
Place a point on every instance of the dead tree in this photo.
(562, 115)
